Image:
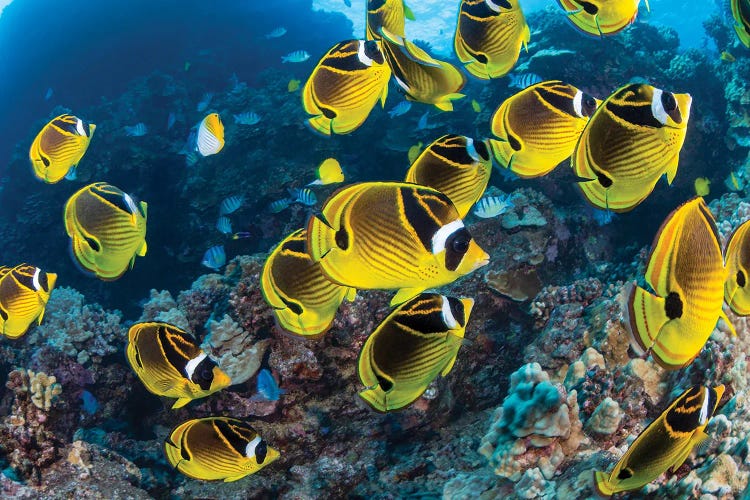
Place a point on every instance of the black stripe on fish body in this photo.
(744, 10)
(66, 124)
(344, 58)
(452, 148)
(557, 98)
(711, 222)
(114, 196)
(295, 244)
(184, 446)
(393, 349)
(24, 275)
(482, 11)
(177, 346)
(685, 414)
(236, 433)
(639, 114)
(425, 212)
(422, 314)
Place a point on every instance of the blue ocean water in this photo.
(149, 74)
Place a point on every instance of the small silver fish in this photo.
(492, 206)
(137, 130)
(279, 205)
(304, 196)
(224, 225)
(247, 118)
(231, 204)
(523, 80)
(297, 56)
(170, 120)
(215, 257)
(400, 109)
(276, 33)
(204, 102)
(191, 158)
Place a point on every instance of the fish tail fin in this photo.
(321, 238)
(180, 403)
(602, 485)
(646, 317)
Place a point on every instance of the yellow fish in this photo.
(388, 14)
(217, 448)
(59, 146)
(737, 258)
(421, 77)
(701, 186)
(633, 139)
(210, 139)
(741, 15)
(665, 443)
(170, 363)
(414, 152)
(107, 229)
(726, 56)
(601, 17)
(329, 172)
(392, 235)
(417, 342)
(457, 166)
(539, 126)
(293, 85)
(489, 36)
(686, 272)
(24, 292)
(303, 299)
(345, 85)
(476, 106)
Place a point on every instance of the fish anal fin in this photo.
(405, 294)
(685, 452)
(180, 403)
(671, 170)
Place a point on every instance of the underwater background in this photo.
(545, 388)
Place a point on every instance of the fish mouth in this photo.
(481, 263)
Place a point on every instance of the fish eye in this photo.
(373, 52)
(206, 373)
(589, 105)
(668, 102)
(460, 244)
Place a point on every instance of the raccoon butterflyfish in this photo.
(392, 235)
(702, 186)
(217, 448)
(665, 443)
(59, 146)
(388, 14)
(686, 272)
(539, 126)
(737, 258)
(170, 363)
(421, 77)
(303, 299)
(210, 138)
(24, 292)
(601, 17)
(329, 172)
(107, 228)
(633, 139)
(345, 85)
(457, 166)
(741, 14)
(406, 352)
(489, 36)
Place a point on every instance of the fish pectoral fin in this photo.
(646, 318)
(723, 316)
(405, 294)
(180, 403)
(408, 13)
(384, 95)
(671, 171)
(449, 365)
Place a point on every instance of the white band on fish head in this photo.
(448, 319)
(35, 280)
(130, 203)
(191, 365)
(361, 55)
(79, 127)
(250, 448)
(442, 235)
(657, 108)
(472, 150)
(578, 104)
(493, 6)
(704, 408)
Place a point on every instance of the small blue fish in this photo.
(603, 217)
(268, 389)
(224, 225)
(204, 102)
(231, 204)
(523, 80)
(492, 206)
(422, 123)
(48, 95)
(297, 56)
(191, 158)
(277, 33)
(215, 257)
(90, 404)
(304, 196)
(279, 205)
(400, 109)
(170, 120)
(247, 118)
(137, 130)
